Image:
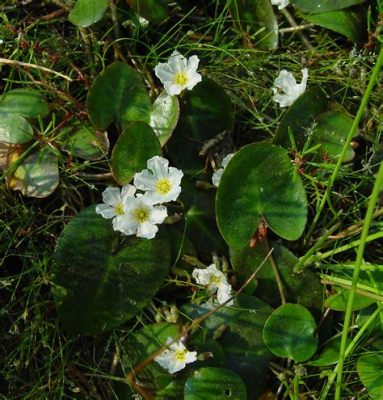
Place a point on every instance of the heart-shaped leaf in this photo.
(260, 17)
(87, 12)
(37, 175)
(164, 116)
(202, 118)
(289, 332)
(246, 354)
(300, 117)
(84, 141)
(214, 383)
(100, 283)
(320, 6)
(346, 22)
(270, 189)
(134, 147)
(14, 128)
(25, 102)
(153, 10)
(331, 130)
(370, 367)
(118, 93)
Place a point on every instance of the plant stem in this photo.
(349, 349)
(373, 78)
(359, 258)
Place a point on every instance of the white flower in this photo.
(215, 281)
(115, 204)
(141, 218)
(162, 184)
(286, 83)
(280, 3)
(175, 357)
(178, 73)
(218, 174)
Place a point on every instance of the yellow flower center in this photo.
(163, 186)
(119, 209)
(181, 78)
(180, 355)
(141, 215)
(215, 279)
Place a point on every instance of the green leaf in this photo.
(134, 147)
(321, 6)
(304, 288)
(14, 129)
(118, 93)
(153, 10)
(202, 118)
(28, 103)
(330, 353)
(87, 12)
(84, 141)
(370, 367)
(331, 131)
(270, 189)
(214, 383)
(99, 282)
(346, 22)
(246, 353)
(164, 116)
(289, 332)
(338, 301)
(37, 176)
(300, 117)
(260, 17)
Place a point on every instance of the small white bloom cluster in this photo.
(176, 356)
(280, 3)
(218, 174)
(178, 73)
(139, 213)
(286, 83)
(215, 281)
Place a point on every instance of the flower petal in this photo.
(216, 178)
(192, 64)
(175, 176)
(285, 81)
(147, 230)
(144, 180)
(194, 78)
(164, 73)
(159, 166)
(127, 191)
(125, 225)
(111, 196)
(172, 89)
(177, 62)
(105, 210)
(158, 215)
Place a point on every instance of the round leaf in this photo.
(289, 332)
(260, 17)
(87, 12)
(134, 147)
(118, 93)
(83, 141)
(14, 129)
(153, 10)
(346, 22)
(164, 116)
(300, 117)
(214, 383)
(100, 283)
(321, 6)
(25, 102)
(202, 118)
(370, 367)
(331, 131)
(270, 189)
(37, 176)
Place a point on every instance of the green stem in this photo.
(321, 256)
(359, 258)
(351, 134)
(349, 350)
